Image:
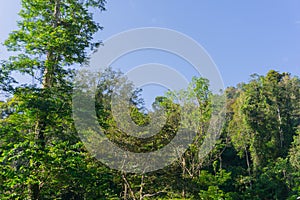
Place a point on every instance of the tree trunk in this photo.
(48, 80)
(248, 165)
(125, 191)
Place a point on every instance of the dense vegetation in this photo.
(42, 156)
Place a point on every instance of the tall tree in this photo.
(270, 105)
(53, 36)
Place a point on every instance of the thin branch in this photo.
(128, 186)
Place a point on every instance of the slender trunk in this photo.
(248, 162)
(125, 191)
(183, 193)
(51, 58)
(183, 177)
(142, 187)
(220, 159)
(279, 128)
(48, 80)
(248, 165)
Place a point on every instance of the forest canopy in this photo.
(42, 156)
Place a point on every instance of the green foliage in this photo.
(41, 154)
(213, 193)
(295, 163)
(42, 157)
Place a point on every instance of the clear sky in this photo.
(242, 37)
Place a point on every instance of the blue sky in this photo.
(242, 37)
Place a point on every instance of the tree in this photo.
(52, 37)
(268, 105)
(42, 156)
(264, 121)
(239, 131)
